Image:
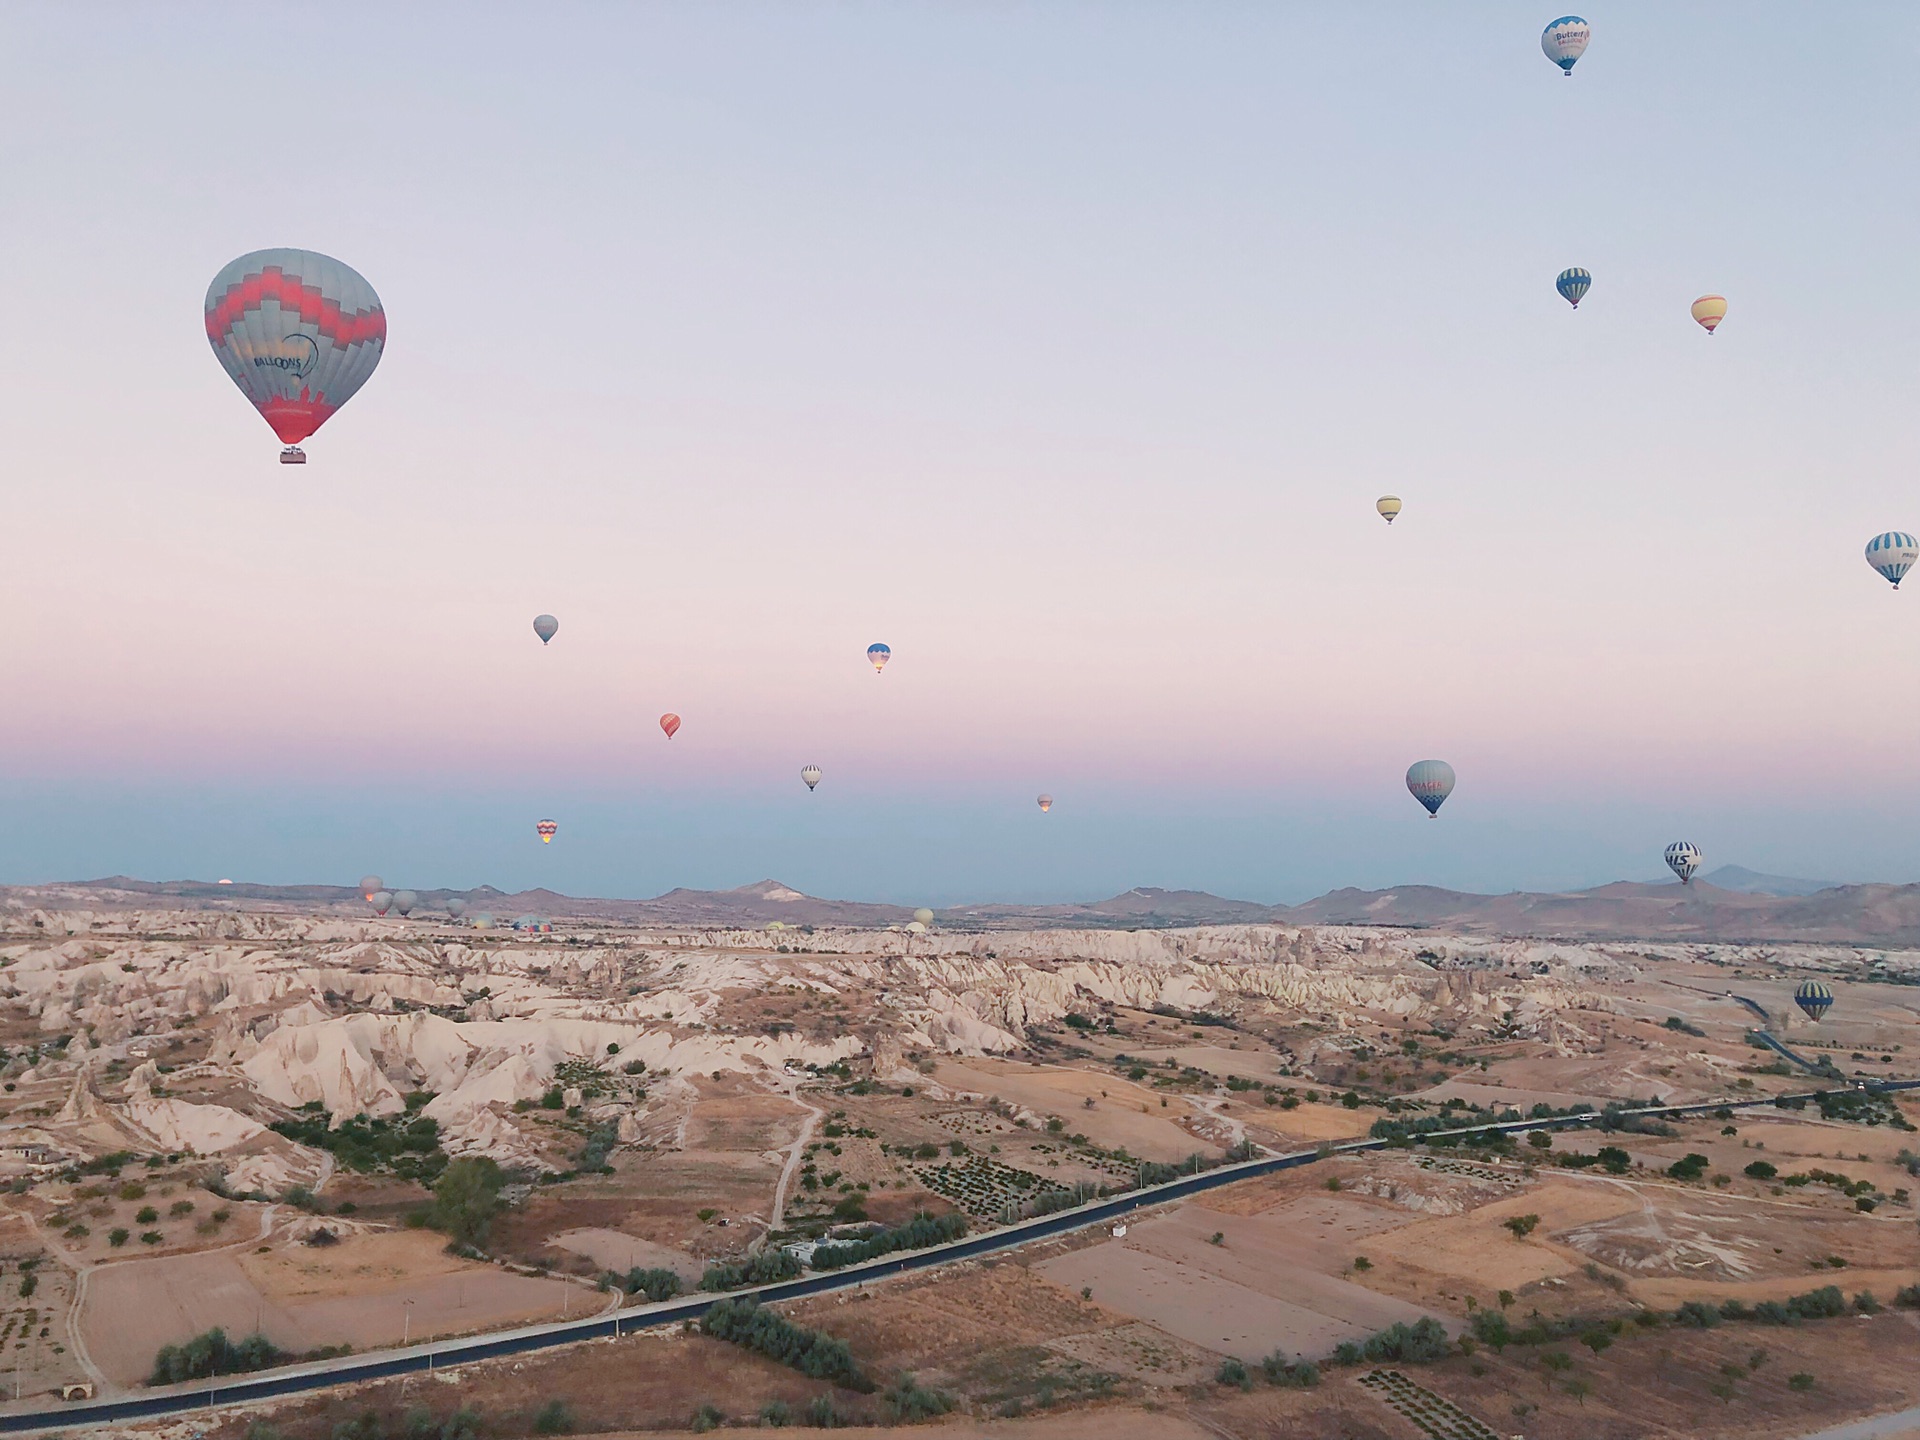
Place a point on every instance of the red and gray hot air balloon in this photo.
(548, 829)
(299, 333)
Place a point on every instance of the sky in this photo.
(1065, 348)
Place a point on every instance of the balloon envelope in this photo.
(546, 627)
(1710, 310)
(1814, 998)
(1683, 858)
(1893, 554)
(878, 655)
(670, 723)
(1573, 284)
(810, 774)
(1430, 782)
(456, 907)
(1388, 506)
(548, 829)
(371, 885)
(404, 901)
(1565, 41)
(923, 915)
(298, 332)
(1045, 802)
(381, 902)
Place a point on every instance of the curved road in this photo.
(317, 1375)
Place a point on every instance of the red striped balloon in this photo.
(669, 723)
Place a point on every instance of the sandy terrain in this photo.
(617, 1250)
(1272, 1282)
(751, 1123)
(133, 1309)
(1127, 1115)
(1476, 1250)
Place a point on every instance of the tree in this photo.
(1540, 1140)
(1580, 1387)
(1521, 1225)
(466, 1197)
(1506, 1298)
(1761, 1170)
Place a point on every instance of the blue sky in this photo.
(1063, 347)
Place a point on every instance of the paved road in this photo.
(353, 1369)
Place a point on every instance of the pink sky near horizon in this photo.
(1080, 398)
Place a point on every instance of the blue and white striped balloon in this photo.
(1893, 554)
(1573, 285)
(1430, 782)
(1683, 858)
(1565, 41)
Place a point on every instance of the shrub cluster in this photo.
(812, 1352)
(1417, 1344)
(917, 1234)
(212, 1353)
(766, 1268)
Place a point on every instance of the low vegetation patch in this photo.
(407, 1145)
(813, 1353)
(917, 1234)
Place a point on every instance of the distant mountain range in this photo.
(1750, 906)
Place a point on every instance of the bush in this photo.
(766, 1268)
(554, 1419)
(1695, 1313)
(917, 1234)
(1761, 1170)
(1521, 1225)
(1490, 1327)
(1821, 1304)
(1232, 1372)
(908, 1401)
(707, 1417)
(1690, 1166)
(211, 1353)
(1866, 1304)
(1419, 1343)
(1614, 1160)
(1800, 1381)
(812, 1352)
(466, 1197)
(823, 1414)
(1907, 1297)
(655, 1284)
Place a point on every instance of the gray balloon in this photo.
(456, 907)
(381, 902)
(546, 627)
(404, 901)
(371, 885)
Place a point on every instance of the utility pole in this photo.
(406, 1321)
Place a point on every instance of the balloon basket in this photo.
(293, 455)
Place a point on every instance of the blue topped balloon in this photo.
(1893, 554)
(1573, 285)
(1565, 41)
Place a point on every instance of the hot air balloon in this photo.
(914, 927)
(483, 921)
(810, 774)
(1388, 506)
(546, 627)
(1683, 859)
(1814, 998)
(370, 885)
(670, 723)
(878, 655)
(1430, 782)
(535, 924)
(1045, 802)
(404, 901)
(1565, 41)
(923, 915)
(1893, 554)
(299, 333)
(381, 902)
(548, 829)
(456, 907)
(1710, 310)
(1573, 285)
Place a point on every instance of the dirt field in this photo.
(617, 1250)
(1127, 1116)
(301, 1302)
(750, 1123)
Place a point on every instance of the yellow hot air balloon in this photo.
(1388, 506)
(1710, 310)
